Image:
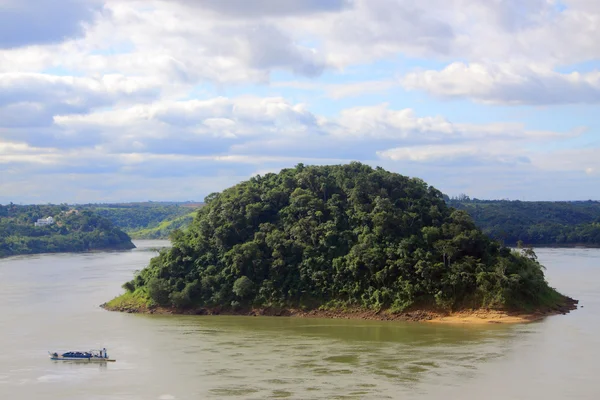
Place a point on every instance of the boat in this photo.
(82, 356)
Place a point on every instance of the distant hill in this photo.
(147, 220)
(535, 223)
(32, 229)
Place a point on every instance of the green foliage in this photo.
(338, 236)
(165, 228)
(147, 220)
(130, 300)
(129, 286)
(243, 287)
(71, 231)
(535, 222)
(159, 291)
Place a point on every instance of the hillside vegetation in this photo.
(164, 229)
(72, 231)
(337, 236)
(150, 220)
(537, 222)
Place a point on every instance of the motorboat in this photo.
(82, 356)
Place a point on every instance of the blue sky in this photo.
(127, 100)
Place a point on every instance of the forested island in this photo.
(31, 229)
(338, 238)
(535, 223)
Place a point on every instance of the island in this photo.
(32, 229)
(340, 241)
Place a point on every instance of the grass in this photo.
(137, 300)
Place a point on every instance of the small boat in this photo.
(82, 356)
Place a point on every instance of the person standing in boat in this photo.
(104, 353)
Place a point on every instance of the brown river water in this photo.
(51, 302)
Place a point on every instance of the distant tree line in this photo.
(72, 230)
(146, 220)
(535, 223)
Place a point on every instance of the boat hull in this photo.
(92, 356)
(83, 359)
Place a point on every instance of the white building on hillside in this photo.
(44, 221)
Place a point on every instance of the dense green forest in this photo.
(71, 230)
(149, 220)
(337, 236)
(537, 222)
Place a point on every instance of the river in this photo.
(50, 302)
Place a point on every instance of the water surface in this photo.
(50, 302)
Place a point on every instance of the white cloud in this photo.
(250, 122)
(245, 41)
(508, 84)
(19, 149)
(252, 130)
(32, 99)
(584, 161)
(494, 153)
(342, 90)
(175, 42)
(245, 116)
(188, 43)
(85, 92)
(381, 121)
(235, 42)
(428, 153)
(443, 158)
(526, 30)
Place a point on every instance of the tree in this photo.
(243, 287)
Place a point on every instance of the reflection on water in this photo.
(50, 302)
(270, 356)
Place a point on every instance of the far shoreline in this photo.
(561, 246)
(117, 249)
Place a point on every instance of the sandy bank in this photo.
(481, 316)
(488, 317)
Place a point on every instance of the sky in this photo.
(125, 100)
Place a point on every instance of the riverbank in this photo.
(479, 316)
(123, 247)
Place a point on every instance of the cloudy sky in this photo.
(124, 100)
